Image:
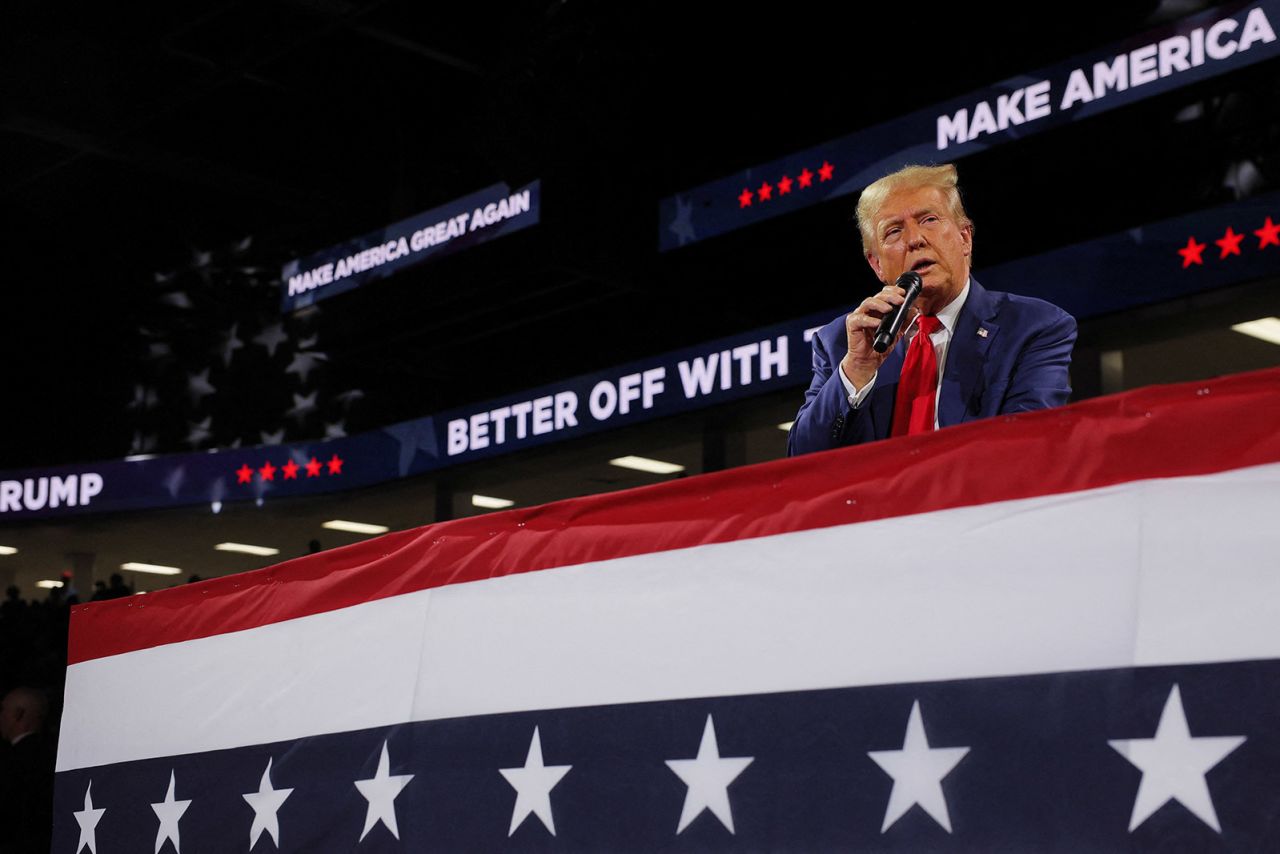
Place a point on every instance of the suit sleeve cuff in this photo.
(855, 396)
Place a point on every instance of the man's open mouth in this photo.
(922, 265)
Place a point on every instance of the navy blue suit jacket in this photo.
(1009, 353)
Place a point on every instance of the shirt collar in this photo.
(949, 315)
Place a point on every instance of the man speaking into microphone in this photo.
(962, 352)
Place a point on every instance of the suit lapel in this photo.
(967, 355)
(886, 389)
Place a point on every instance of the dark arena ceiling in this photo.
(159, 163)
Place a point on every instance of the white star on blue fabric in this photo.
(533, 784)
(303, 405)
(682, 223)
(199, 387)
(169, 811)
(304, 363)
(381, 792)
(199, 431)
(708, 777)
(266, 803)
(1173, 765)
(917, 771)
(271, 337)
(230, 344)
(88, 819)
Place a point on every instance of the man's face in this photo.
(914, 230)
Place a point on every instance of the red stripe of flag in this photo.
(1164, 431)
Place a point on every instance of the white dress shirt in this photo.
(941, 339)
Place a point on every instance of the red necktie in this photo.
(918, 385)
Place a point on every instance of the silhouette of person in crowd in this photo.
(26, 772)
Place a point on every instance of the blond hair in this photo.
(943, 177)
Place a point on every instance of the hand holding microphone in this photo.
(875, 326)
(892, 324)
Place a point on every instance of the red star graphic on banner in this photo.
(244, 474)
(765, 192)
(744, 200)
(1192, 253)
(824, 171)
(1268, 235)
(1229, 243)
(313, 467)
(290, 470)
(267, 471)
(335, 465)
(806, 178)
(784, 185)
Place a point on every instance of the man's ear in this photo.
(875, 265)
(966, 237)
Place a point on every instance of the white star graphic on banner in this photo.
(173, 482)
(88, 819)
(917, 771)
(1173, 764)
(533, 784)
(170, 813)
(708, 778)
(266, 803)
(381, 793)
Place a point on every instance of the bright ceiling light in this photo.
(355, 527)
(154, 569)
(785, 426)
(8, 550)
(1266, 328)
(244, 548)
(48, 584)
(646, 464)
(490, 503)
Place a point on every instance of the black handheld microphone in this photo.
(892, 322)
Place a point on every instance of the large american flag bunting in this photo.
(1057, 631)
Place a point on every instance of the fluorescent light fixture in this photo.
(355, 527)
(490, 503)
(8, 550)
(154, 569)
(646, 464)
(785, 426)
(244, 548)
(137, 458)
(1266, 328)
(48, 584)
